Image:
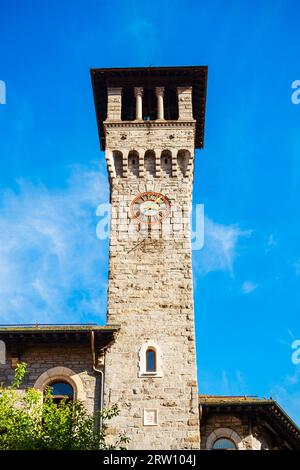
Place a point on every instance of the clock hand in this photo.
(138, 244)
(155, 202)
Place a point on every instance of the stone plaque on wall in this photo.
(150, 417)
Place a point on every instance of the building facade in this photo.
(150, 122)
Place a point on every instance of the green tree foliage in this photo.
(32, 421)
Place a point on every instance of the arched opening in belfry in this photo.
(171, 104)
(149, 163)
(118, 163)
(149, 104)
(128, 104)
(133, 163)
(166, 163)
(183, 157)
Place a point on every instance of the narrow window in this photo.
(2, 353)
(149, 163)
(150, 360)
(118, 163)
(166, 163)
(133, 163)
(149, 105)
(183, 157)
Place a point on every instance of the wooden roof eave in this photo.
(180, 76)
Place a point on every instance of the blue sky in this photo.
(52, 176)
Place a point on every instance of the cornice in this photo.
(149, 124)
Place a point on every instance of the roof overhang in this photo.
(267, 409)
(23, 334)
(195, 76)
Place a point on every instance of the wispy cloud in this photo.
(233, 385)
(50, 257)
(293, 379)
(271, 240)
(248, 287)
(220, 247)
(271, 243)
(296, 266)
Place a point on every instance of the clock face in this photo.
(150, 207)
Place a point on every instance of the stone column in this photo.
(114, 104)
(138, 93)
(159, 91)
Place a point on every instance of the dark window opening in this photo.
(150, 360)
(171, 104)
(118, 162)
(128, 105)
(149, 105)
(183, 157)
(61, 391)
(133, 163)
(166, 162)
(149, 163)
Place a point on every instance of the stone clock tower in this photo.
(150, 121)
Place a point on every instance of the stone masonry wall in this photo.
(151, 296)
(40, 358)
(253, 437)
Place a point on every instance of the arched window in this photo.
(224, 438)
(133, 163)
(150, 360)
(149, 163)
(223, 444)
(61, 391)
(118, 163)
(65, 375)
(166, 163)
(2, 353)
(183, 157)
